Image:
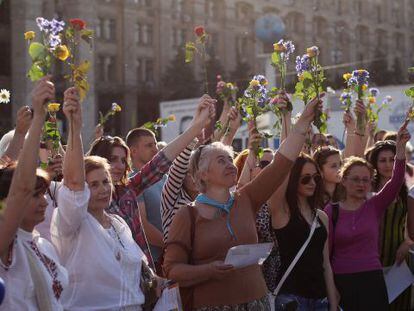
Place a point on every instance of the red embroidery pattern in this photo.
(10, 256)
(51, 268)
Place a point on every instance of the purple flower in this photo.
(54, 41)
(302, 64)
(345, 96)
(43, 24)
(359, 77)
(57, 26)
(374, 91)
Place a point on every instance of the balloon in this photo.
(2, 290)
(270, 28)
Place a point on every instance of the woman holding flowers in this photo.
(394, 245)
(126, 189)
(29, 265)
(201, 235)
(355, 225)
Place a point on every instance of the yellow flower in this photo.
(53, 107)
(371, 99)
(171, 118)
(254, 83)
(116, 108)
(229, 85)
(312, 51)
(29, 35)
(300, 77)
(364, 87)
(347, 76)
(279, 47)
(62, 52)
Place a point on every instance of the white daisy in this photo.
(4, 96)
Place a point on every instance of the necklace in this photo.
(114, 235)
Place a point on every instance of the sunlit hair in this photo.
(103, 147)
(390, 135)
(372, 156)
(320, 157)
(316, 200)
(6, 176)
(352, 162)
(200, 161)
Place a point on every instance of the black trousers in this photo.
(362, 291)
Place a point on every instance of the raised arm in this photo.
(234, 124)
(355, 141)
(153, 171)
(73, 165)
(23, 121)
(24, 177)
(390, 190)
(265, 184)
(224, 116)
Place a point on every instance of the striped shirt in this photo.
(173, 194)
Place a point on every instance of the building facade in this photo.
(137, 39)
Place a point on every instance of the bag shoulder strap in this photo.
(297, 257)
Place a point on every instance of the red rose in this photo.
(77, 23)
(199, 31)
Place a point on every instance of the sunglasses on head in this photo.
(263, 164)
(306, 179)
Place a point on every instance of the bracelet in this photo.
(359, 134)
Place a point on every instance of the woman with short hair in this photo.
(201, 235)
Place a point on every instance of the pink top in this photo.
(357, 232)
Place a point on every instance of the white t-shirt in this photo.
(104, 266)
(20, 288)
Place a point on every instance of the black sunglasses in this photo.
(306, 179)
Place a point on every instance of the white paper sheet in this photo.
(169, 300)
(245, 255)
(397, 279)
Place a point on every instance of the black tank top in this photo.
(307, 277)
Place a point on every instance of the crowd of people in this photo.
(109, 228)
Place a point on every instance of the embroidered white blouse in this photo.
(104, 266)
(17, 274)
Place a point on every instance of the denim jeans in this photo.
(298, 303)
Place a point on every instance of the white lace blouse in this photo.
(33, 266)
(104, 266)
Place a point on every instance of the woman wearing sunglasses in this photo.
(355, 225)
(201, 235)
(310, 284)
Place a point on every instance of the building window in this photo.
(109, 68)
(139, 69)
(137, 33)
(241, 47)
(178, 37)
(98, 28)
(149, 70)
(211, 8)
(243, 11)
(109, 29)
(147, 34)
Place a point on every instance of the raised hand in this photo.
(348, 120)
(309, 113)
(234, 118)
(403, 136)
(42, 92)
(23, 120)
(205, 112)
(72, 108)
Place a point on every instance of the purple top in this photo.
(357, 232)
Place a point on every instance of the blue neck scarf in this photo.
(226, 207)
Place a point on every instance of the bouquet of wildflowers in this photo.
(115, 108)
(310, 84)
(359, 83)
(227, 92)
(254, 103)
(280, 57)
(410, 93)
(160, 123)
(199, 47)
